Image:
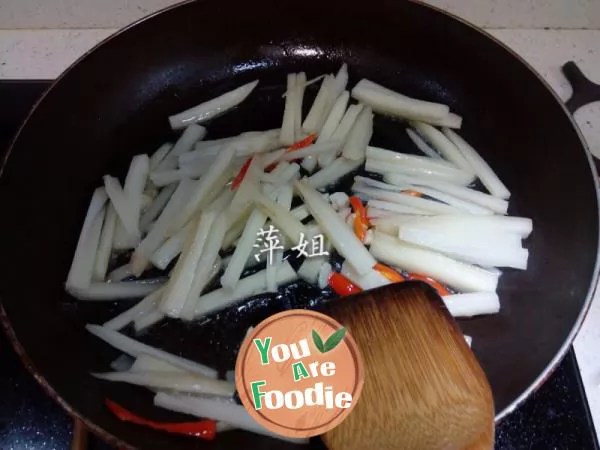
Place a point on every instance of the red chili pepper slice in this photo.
(441, 290)
(204, 429)
(342, 285)
(361, 222)
(412, 193)
(389, 273)
(241, 174)
(308, 140)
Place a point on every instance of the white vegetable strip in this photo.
(282, 218)
(157, 234)
(206, 188)
(216, 106)
(359, 136)
(468, 237)
(386, 101)
(124, 208)
(289, 173)
(390, 224)
(245, 144)
(287, 136)
(450, 121)
(406, 200)
(458, 203)
(136, 348)
(371, 280)
(150, 193)
(135, 182)
(180, 382)
(192, 134)
(156, 207)
(343, 239)
(236, 228)
(82, 267)
(147, 320)
(142, 307)
(208, 266)
(406, 160)
(339, 200)
(380, 184)
(472, 304)
(159, 155)
(520, 226)
(243, 194)
(172, 247)
(222, 201)
(469, 340)
(347, 122)
(489, 249)
(146, 363)
(334, 118)
(105, 245)
(285, 196)
(485, 173)
(120, 290)
(388, 168)
(309, 164)
(273, 157)
(319, 110)
(314, 80)
(205, 151)
(184, 144)
(120, 273)
(246, 287)
(182, 278)
(341, 80)
(312, 150)
(422, 145)
(310, 269)
(333, 172)
(122, 363)
(397, 208)
(230, 413)
(253, 142)
(324, 274)
(162, 178)
(243, 250)
(459, 275)
(443, 145)
(300, 87)
(496, 204)
(376, 213)
(300, 212)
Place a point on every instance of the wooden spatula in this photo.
(424, 388)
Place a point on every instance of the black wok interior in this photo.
(115, 102)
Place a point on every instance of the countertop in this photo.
(44, 54)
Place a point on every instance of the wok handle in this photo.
(584, 90)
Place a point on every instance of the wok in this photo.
(114, 103)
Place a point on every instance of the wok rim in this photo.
(534, 386)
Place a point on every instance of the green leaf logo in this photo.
(318, 341)
(331, 342)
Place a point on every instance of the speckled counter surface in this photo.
(43, 54)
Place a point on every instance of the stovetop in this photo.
(555, 417)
